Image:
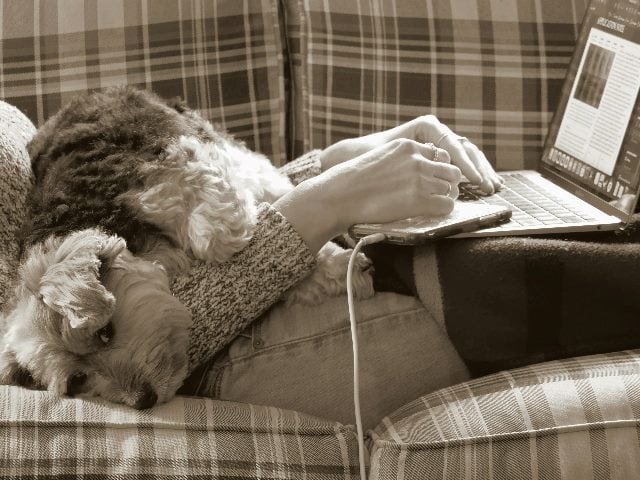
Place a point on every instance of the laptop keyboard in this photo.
(531, 203)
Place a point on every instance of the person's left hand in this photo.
(426, 129)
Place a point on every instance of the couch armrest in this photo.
(15, 183)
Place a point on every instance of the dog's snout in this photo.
(147, 398)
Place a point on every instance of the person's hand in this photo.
(399, 179)
(426, 129)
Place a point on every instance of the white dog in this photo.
(129, 190)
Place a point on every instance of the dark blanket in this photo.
(512, 301)
(517, 300)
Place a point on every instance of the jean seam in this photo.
(255, 352)
(217, 383)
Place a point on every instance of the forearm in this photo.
(225, 298)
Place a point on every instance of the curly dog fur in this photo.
(129, 189)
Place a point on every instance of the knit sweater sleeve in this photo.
(225, 298)
(303, 168)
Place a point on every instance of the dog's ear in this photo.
(67, 278)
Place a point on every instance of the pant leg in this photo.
(301, 359)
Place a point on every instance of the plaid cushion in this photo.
(224, 58)
(570, 419)
(492, 70)
(185, 438)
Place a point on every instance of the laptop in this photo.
(588, 178)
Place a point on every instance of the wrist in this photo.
(309, 210)
(343, 151)
(330, 157)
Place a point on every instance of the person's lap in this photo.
(301, 359)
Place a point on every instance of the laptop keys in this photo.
(530, 206)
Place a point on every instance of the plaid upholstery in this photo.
(569, 419)
(224, 58)
(490, 69)
(186, 438)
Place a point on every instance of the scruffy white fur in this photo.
(90, 318)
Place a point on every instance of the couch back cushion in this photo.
(491, 69)
(224, 58)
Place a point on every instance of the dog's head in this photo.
(89, 318)
(146, 361)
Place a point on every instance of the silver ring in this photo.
(449, 189)
(463, 139)
(435, 151)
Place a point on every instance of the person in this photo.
(300, 357)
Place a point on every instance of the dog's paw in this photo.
(329, 278)
(11, 372)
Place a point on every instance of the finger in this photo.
(497, 180)
(438, 205)
(436, 186)
(491, 181)
(431, 152)
(447, 189)
(448, 140)
(443, 171)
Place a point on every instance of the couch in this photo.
(288, 76)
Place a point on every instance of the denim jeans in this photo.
(300, 358)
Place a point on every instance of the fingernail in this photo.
(487, 186)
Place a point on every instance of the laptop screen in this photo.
(594, 137)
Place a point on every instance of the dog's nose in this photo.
(75, 383)
(147, 398)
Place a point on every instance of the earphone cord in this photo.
(375, 238)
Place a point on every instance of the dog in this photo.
(130, 190)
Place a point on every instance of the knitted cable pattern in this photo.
(225, 298)
(303, 168)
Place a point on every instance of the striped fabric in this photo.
(491, 69)
(224, 58)
(570, 419)
(187, 438)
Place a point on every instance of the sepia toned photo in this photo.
(319, 240)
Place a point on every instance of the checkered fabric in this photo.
(224, 58)
(569, 419)
(491, 69)
(186, 438)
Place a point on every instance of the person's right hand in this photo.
(424, 129)
(397, 180)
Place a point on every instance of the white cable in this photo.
(375, 238)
